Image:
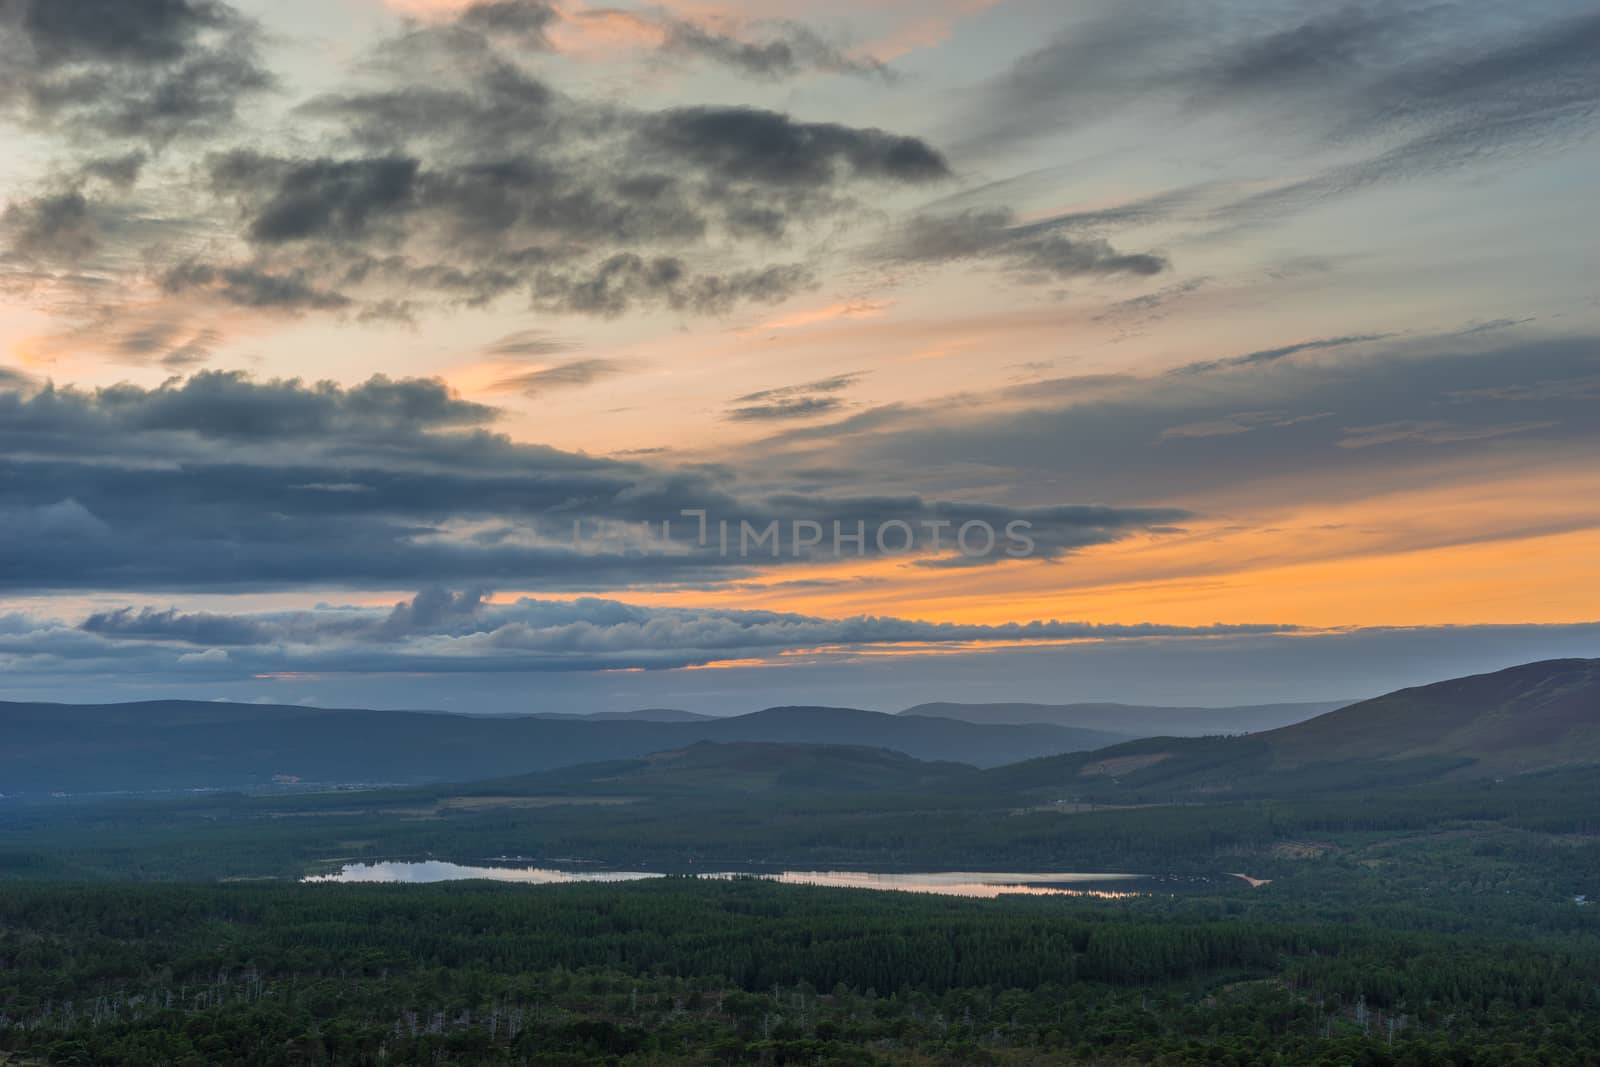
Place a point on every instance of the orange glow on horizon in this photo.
(1516, 551)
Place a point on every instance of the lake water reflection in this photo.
(946, 883)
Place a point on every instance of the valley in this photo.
(1398, 897)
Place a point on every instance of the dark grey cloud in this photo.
(251, 287)
(121, 171)
(489, 182)
(479, 111)
(625, 280)
(572, 374)
(750, 144)
(435, 610)
(222, 481)
(1041, 249)
(322, 198)
(807, 400)
(767, 49)
(152, 70)
(476, 36)
(795, 407)
(477, 183)
(229, 405)
(785, 49)
(507, 152)
(195, 628)
(140, 31)
(526, 20)
(55, 227)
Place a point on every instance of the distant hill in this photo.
(197, 744)
(640, 715)
(1136, 719)
(1533, 717)
(1524, 718)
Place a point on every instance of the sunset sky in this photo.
(323, 321)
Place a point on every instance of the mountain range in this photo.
(164, 745)
(1532, 717)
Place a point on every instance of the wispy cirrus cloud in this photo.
(804, 401)
(1046, 250)
(572, 374)
(1272, 355)
(529, 343)
(1243, 422)
(1433, 432)
(1411, 89)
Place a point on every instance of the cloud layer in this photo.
(1189, 293)
(219, 480)
(439, 631)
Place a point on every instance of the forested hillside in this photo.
(683, 972)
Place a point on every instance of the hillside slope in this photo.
(1529, 717)
(1136, 719)
(1532, 717)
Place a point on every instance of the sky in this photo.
(523, 356)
